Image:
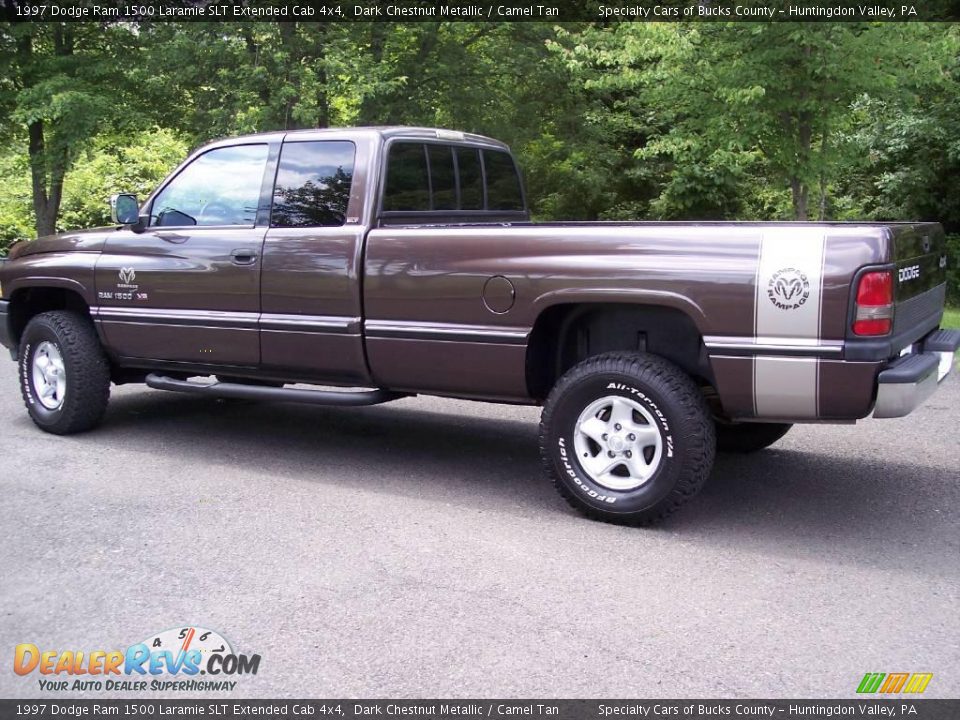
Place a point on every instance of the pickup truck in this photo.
(378, 263)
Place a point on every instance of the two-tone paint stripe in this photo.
(276, 322)
(752, 346)
(788, 296)
(446, 332)
(775, 372)
(279, 322)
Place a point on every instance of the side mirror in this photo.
(124, 209)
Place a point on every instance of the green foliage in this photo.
(112, 163)
(953, 270)
(63, 83)
(136, 164)
(609, 121)
(908, 160)
(951, 319)
(720, 106)
(16, 215)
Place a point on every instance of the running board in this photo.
(346, 398)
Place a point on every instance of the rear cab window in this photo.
(450, 180)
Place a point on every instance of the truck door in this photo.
(187, 288)
(310, 288)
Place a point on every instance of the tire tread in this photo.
(652, 370)
(88, 368)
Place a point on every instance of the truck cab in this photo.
(403, 261)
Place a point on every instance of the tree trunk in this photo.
(288, 33)
(253, 51)
(800, 194)
(798, 188)
(371, 107)
(823, 176)
(47, 165)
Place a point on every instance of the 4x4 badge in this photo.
(788, 289)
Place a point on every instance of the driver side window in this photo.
(221, 187)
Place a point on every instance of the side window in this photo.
(408, 185)
(313, 184)
(221, 187)
(471, 179)
(503, 183)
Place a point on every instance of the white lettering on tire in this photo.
(25, 375)
(576, 479)
(653, 406)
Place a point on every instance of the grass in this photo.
(951, 318)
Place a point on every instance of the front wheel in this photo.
(627, 438)
(64, 373)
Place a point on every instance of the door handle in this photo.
(243, 257)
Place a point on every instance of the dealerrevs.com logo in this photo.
(180, 659)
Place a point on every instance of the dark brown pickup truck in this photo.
(395, 261)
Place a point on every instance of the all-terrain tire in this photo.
(80, 364)
(748, 437)
(667, 417)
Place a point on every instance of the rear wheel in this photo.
(748, 437)
(626, 438)
(64, 373)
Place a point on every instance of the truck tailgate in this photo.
(919, 255)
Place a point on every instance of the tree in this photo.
(726, 102)
(61, 85)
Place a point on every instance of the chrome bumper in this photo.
(907, 382)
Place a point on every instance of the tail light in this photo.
(874, 311)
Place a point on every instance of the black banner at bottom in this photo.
(866, 709)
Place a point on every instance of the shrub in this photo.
(953, 270)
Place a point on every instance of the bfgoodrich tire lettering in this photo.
(671, 404)
(82, 368)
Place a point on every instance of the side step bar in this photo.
(346, 398)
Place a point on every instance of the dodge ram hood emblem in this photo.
(788, 289)
(127, 275)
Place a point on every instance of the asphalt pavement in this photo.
(414, 550)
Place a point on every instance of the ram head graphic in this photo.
(127, 275)
(788, 288)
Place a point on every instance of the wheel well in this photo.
(564, 335)
(29, 302)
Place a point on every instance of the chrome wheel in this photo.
(618, 443)
(49, 376)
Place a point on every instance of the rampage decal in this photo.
(789, 290)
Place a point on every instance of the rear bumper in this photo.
(907, 382)
(6, 337)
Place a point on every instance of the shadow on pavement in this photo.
(782, 501)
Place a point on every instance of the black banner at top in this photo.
(900, 708)
(481, 11)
